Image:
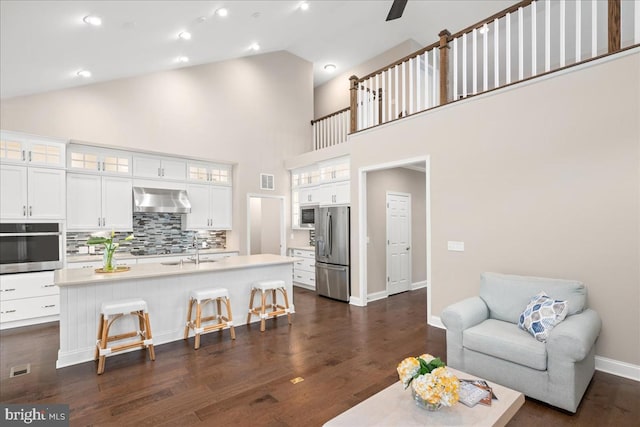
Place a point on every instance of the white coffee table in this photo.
(394, 406)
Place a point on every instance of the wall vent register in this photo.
(267, 182)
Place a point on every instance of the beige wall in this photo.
(253, 111)
(540, 179)
(378, 184)
(334, 94)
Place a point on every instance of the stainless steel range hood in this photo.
(160, 200)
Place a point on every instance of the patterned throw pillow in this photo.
(542, 315)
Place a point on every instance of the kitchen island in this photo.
(165, 288)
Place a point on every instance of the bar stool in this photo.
(269, 287)
(114, 310)
(200, 297)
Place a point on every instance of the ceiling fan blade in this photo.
(396, 9)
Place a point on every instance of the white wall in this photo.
(253, 112)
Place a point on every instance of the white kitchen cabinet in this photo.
(338, 169)
(304, 271)
(308, 175)
(159, 167)
(31, 150)
(28, 298)
(338, 193)
(214, 173)
(99, 203)
(31, 193)
(84, 158)
(211, 207)
(309, 195)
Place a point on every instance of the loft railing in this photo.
(528, 39)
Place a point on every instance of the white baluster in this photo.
(594, 28)
(562, 32)
(378, 95)
(315, 136)
(520, 44)
(508, 48)
(410, 85)
(485, 58)
(496, 54)
(578, 34)
(418, 88)
(464, 65)
(390, 95)
(435, 57)
(385, 96)
(360, 110)
(636, 23)
(397, 104)
(474, 64)
(404, 89)
(427, 104)
(547, 35)
(455, 69)
(534, 47)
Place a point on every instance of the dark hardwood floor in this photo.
(345, 354)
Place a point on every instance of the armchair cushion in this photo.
(505, 341)
(541, 315)
(506, 295)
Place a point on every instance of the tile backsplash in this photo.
(154, 233)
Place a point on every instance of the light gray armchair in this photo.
(483, 339)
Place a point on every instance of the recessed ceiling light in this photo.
(96, 21)
(185, 35)
(330, 68)
(304, 5)
(222, 12)
(182, 59)
(84, 73)
(254, 47)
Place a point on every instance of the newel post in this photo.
(614, 25)
(353, 91)
(444, 66)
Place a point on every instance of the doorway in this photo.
(265, 224)
(398, 242)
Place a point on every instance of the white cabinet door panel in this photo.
(200, 198)
(13, 192)
(174, 169)
(146, 167)
(117, 203)
(84, 201)
(46, 193)
(221, 209)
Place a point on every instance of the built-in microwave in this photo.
(307, 216)
(28, 247)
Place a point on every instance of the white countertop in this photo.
(304, 248)
(82, 276)
(127, 255)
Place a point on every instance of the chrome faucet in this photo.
(196, 246)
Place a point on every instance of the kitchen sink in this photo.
(186, 261)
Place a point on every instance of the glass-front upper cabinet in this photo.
(86, 158)
(338, 169)
(309, 175)
(31, 150)
(215, 173)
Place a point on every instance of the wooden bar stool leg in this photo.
(219, 313)
(262, 311)
(104, 327)
(230, 318)
(286, 303)
(253, 293)
(98, 342)
(198, 323)
(188, 324)
(148, 336)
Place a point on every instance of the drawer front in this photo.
(88, 264)
(28, 308)
(300, 253)
(305, 265)
(16, 286)
(305, 277)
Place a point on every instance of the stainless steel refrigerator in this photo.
(333, 275)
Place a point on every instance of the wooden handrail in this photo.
(400, 61)
(493, 17)
(335, 113)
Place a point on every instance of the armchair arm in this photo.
(574, 337)
(464, 314)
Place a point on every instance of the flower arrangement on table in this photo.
(432, 385)
(107, 239)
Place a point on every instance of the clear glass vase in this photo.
(423, 403)
(107, 260)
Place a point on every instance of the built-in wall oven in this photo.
(26, 247)
(307, 216)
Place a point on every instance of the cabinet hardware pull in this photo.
(29, 155)
(162, 171)
(48, 286)
(159, 172)
(9, 311)
(23, 156)
(9, 290)
(104, 221)
(30, 210)
(48, 306)
(103, 166)
(24, 210)
(99, 222)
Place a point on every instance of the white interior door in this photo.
(398, 242)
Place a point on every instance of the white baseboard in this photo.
(603, 364)
(616, 367)
(377, 295)
(419, 285)
(356, 301)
